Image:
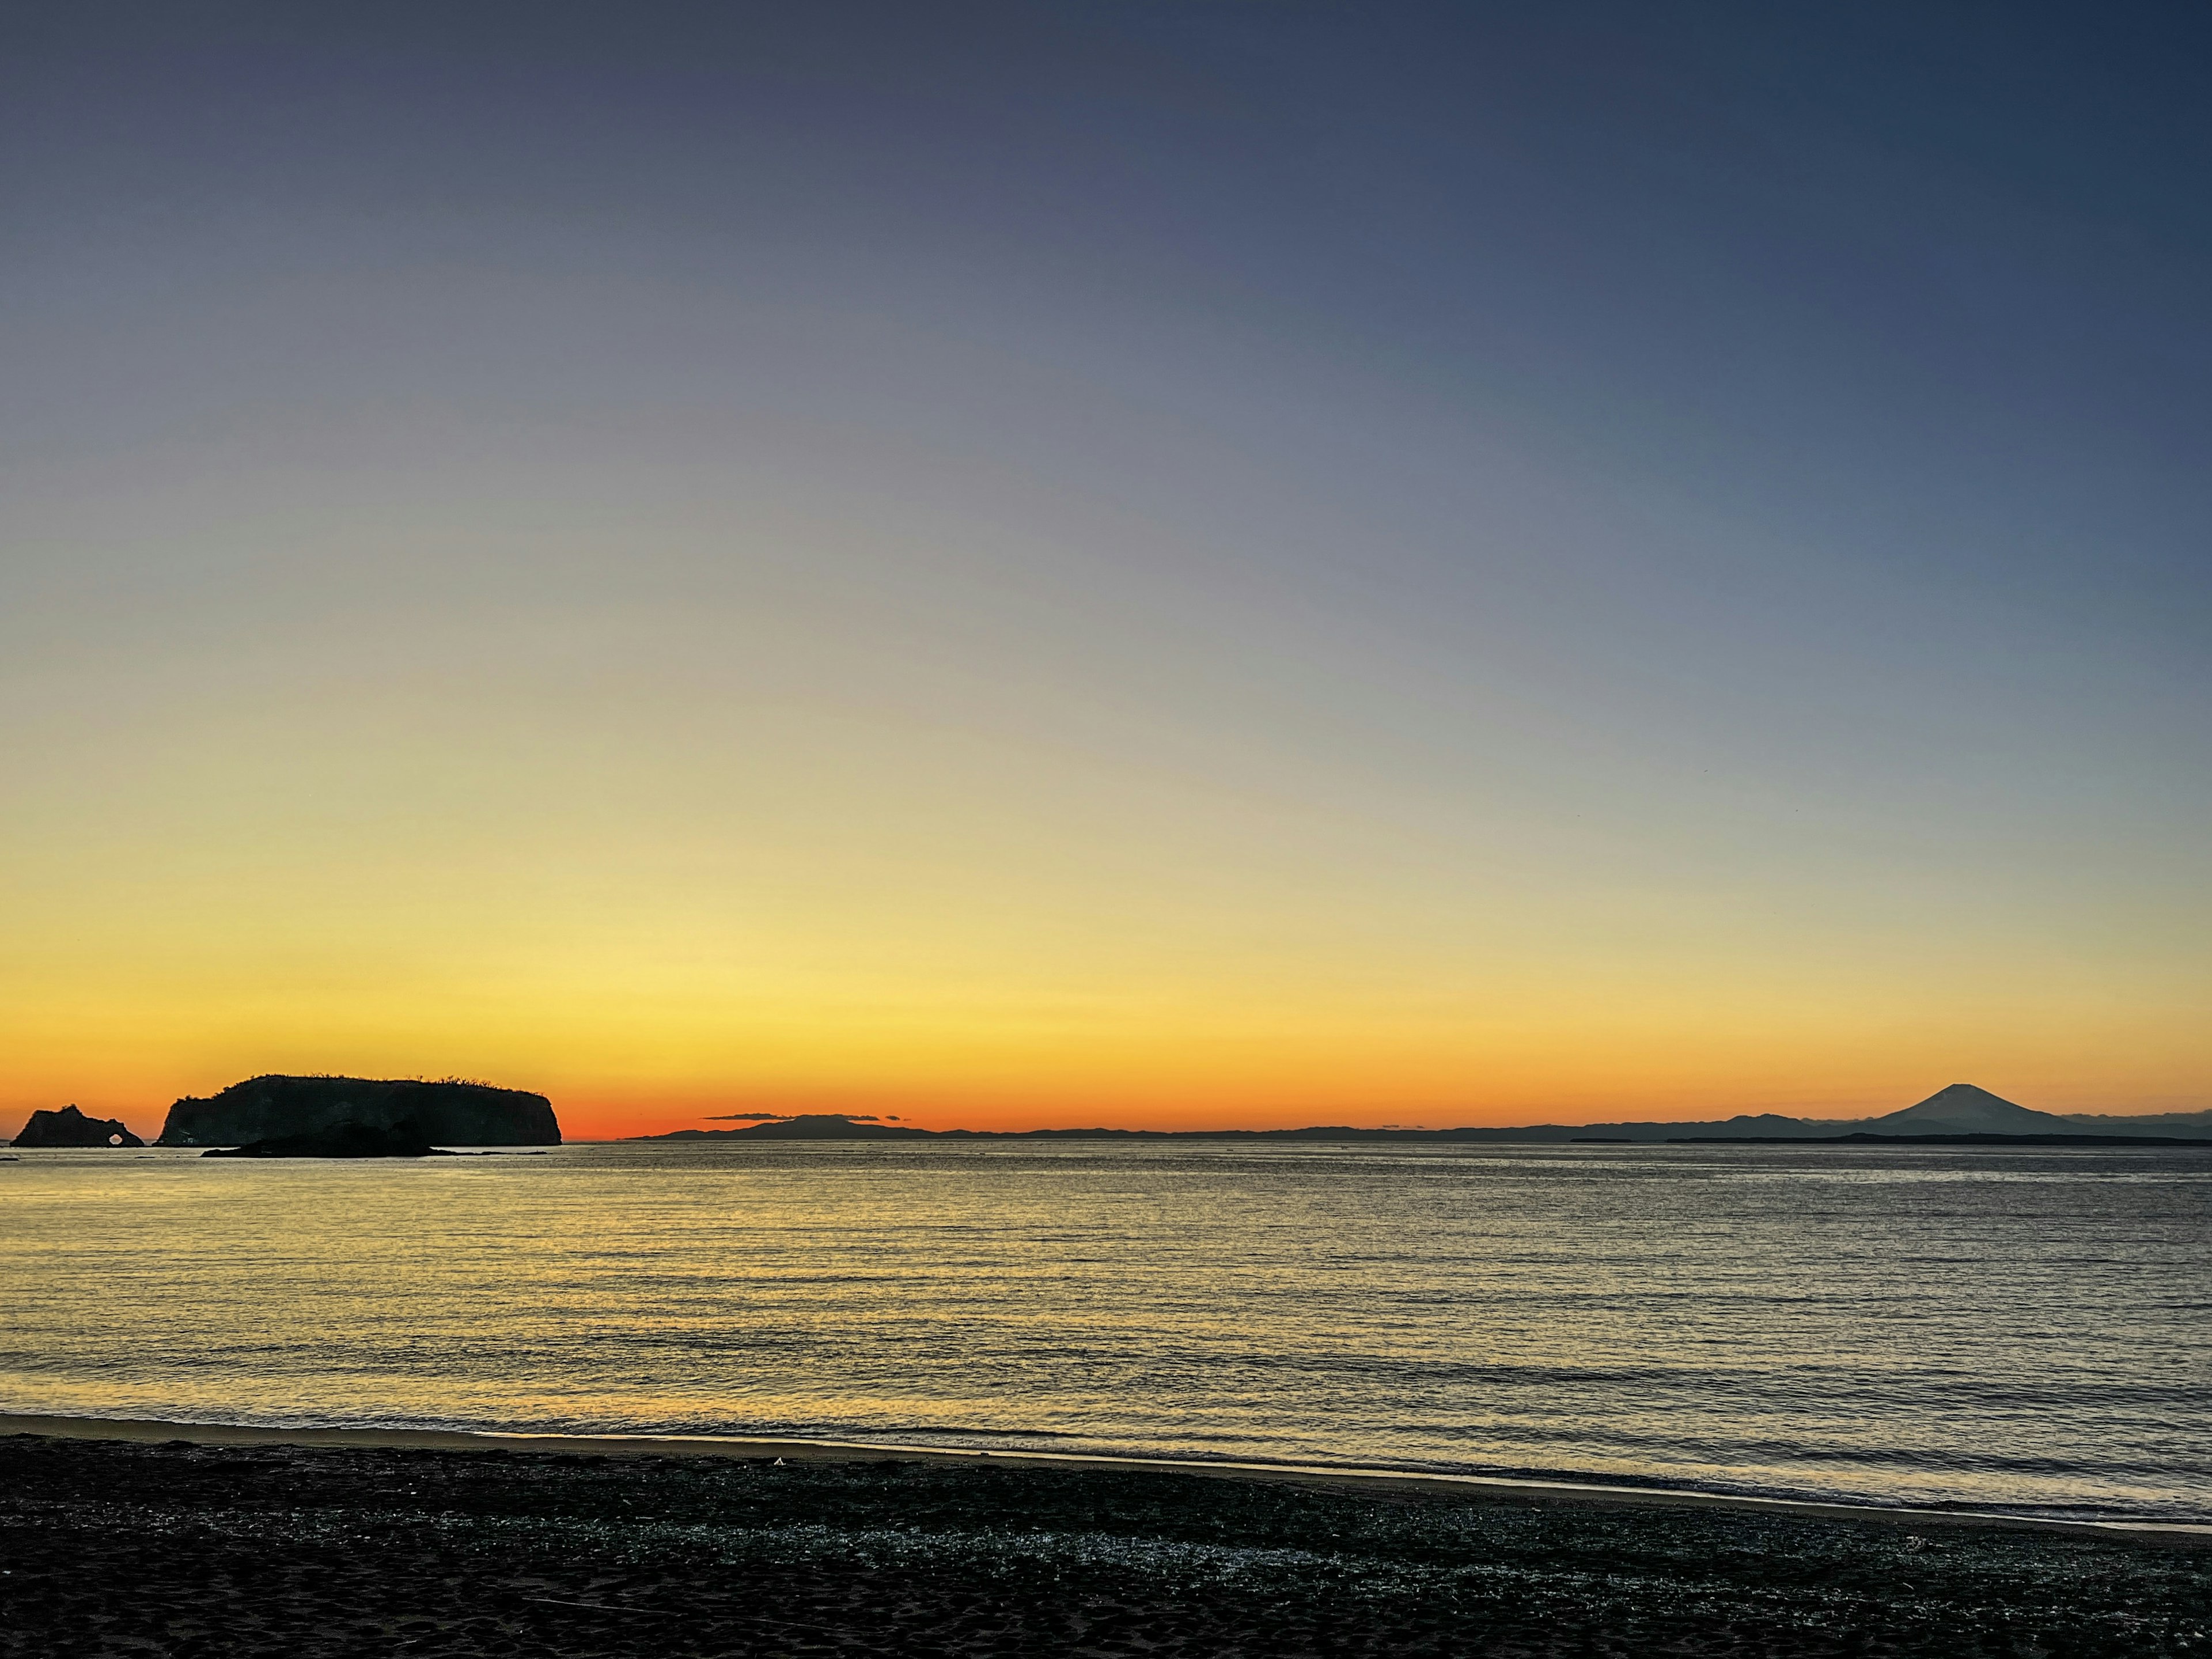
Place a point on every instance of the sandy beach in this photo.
(148, 1538)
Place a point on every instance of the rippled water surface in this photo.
(2017, 1329)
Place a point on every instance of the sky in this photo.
(1185, 565)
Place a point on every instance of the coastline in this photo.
(122, 1538)
(1399, 1484)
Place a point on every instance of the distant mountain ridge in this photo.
(1956, 1109)
(1962, 1109)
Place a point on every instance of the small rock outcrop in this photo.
(71, 1127)
(265, 1108)
(341, 1140)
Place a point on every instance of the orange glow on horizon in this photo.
(594, 1110)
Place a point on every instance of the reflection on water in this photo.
(2024, 1330)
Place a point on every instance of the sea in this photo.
(2023, 1331)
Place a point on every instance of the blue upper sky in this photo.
(1726, 480)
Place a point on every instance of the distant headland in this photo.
(1961, 1110)
(347, 1140)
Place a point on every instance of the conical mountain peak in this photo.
(1962, 1107)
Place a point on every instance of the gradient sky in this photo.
(1181, 564)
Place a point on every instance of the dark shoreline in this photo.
(115, 1545)
(1862, 1139)
(1531, 1487)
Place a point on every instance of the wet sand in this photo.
(149, 1538)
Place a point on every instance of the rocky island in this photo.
(346, 1140)
(272, 1109)
(71, 1127)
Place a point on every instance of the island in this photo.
(281, 1108)
(345, 1140)
(71, 1127)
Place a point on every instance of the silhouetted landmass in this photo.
(2096, 1120)
(265, 1109)
(814, 1126)
(71, 1127)
(343, 1140)
(831, 1126)
(1863, 1140)
(1962, 1109)
(1959, 1109)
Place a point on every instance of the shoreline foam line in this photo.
(1397, 1482)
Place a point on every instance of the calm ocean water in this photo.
(2019, 1330)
